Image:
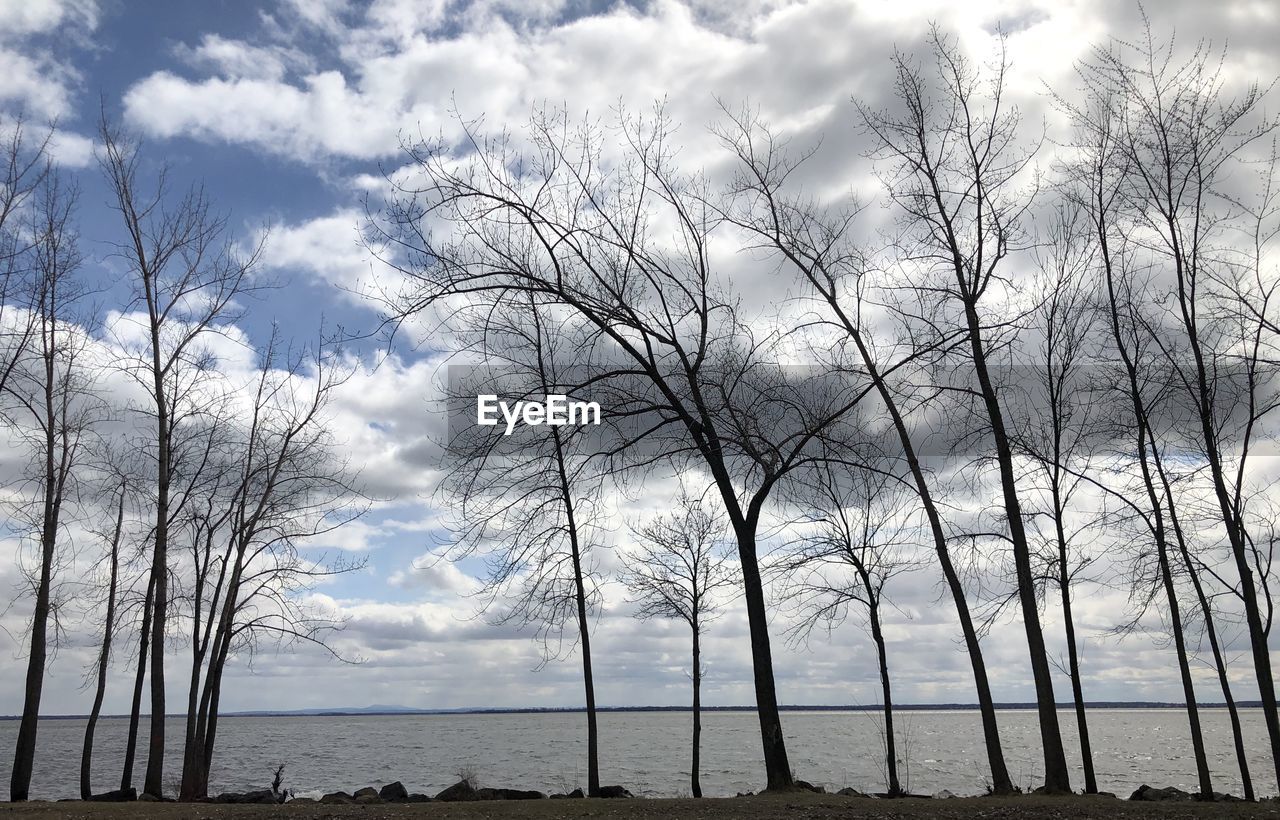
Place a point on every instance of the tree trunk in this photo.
(1073, 654)
(1184, 670)
(154, 782)
(192, 751)
(135, 710)
(1142, 423)
(584, 625)
(1211, 631)
(777, 768)
(890, 742)
(1001, 783)
(694, 781)
(1056, 776)
(24, 754)
(104, 660)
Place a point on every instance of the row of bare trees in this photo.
(168, 488)
(1051, 366)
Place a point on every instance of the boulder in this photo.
(367, 791)
(809, 787)
(417, 797)
(850, 792)
(1145, 792)
(258, 796)
(576, 793)
(338, 798)
(945, 794)
(458, 792)
(117, 796)
(394, 791)
(509, 794)
(148, 798)
(614, 792)
(302, 801)
(369, 800)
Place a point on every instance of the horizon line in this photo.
(395, 711)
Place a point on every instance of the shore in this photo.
(798, 805)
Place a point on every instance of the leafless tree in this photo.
(24, 166)
(678, 569)
(621, 247)
(50, 392)
(187, 279)
(529, 506)
(863, 526)
(952, 159)
(1059, 426)
(113, 564)
(276, 483)
(1202, 306)
(1101, 175)
(817, 242)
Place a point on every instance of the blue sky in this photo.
(288, 112)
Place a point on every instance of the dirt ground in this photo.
(808, 807)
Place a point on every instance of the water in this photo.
(648, 752)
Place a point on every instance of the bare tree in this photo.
(187, 278)
(50, 390)
(952, 162)
(1059, 426)
(817, 242)
(1173, 138)
(862, 527)
(1101, 175)
(529, 507)
(622, 250)
(677, 569)
(24, 166)
(113, 562)
(276, 483)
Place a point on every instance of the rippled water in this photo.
(648, 751)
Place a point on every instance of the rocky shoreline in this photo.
(800, 805)
(464, 791)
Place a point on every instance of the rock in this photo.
(258, 796)
(945, 794)
(117, 796)
(338, 798)
(1145, 792)
(369, 800)
(614, 792)
(148, 798)
(458, 792)
(809, 787)
(576, 793)
(509, 794)
(745, 794)
(302, 801)
(849, 792)
(417, 797)
(394, 791)
(367, 791)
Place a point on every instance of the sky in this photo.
(290, 112)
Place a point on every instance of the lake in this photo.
(648, 751)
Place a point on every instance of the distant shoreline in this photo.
(396, 711)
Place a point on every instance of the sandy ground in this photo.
(810, 807)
